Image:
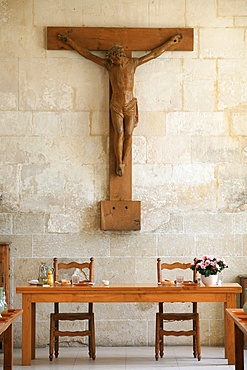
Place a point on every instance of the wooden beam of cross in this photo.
(120, 212)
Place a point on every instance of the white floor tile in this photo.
(127, 358)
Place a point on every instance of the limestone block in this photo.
(239, 126)
(169, 150)
(21, 246)
(127, 311)
(134, 245)
(42, 188)
(196, 123)
(172, 225)
(204, 14)
(199, 85)
(217, 333)
(154, 215)
(79, 187)
(170, 13)
(9, 186)
(101, 180)
(232, 8)
(215, 244)
(5, 223)
(84, 245)
(210, 223)
(16, 12)
(139, 151)
(232, 91)
(240, 223)
(90, 218)
(240, 21)
(116, 269)
(215, 149)
(15, 123)
(9, 84)
(28, 223)
(151, 175)
(113, 14)
(146, 272)
(63, 223)
(177, 246)
(128, 333)
(151, 124)
(67, 13)
(222, 43)
(61, 124)
(99, 123)
(232, 187)
(243, 148)
(62, 84)
(22, 42)
(159, 86)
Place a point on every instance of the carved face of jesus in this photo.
(116, 55)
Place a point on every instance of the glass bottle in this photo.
(43, 274)
(245, 303)
(4, 302)
(1, 301)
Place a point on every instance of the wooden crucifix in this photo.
(120, 212)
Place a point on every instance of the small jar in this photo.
(75, 279)
(50, 278)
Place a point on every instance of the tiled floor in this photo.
(130, 358)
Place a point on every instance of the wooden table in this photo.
(122, 293)
(239, 318)
(6, 329)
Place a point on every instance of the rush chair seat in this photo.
(162, 318)
(58, 316)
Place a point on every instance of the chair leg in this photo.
(51, 338)
(157, 337)
(92, 337)
(56, 338)
(161, 339)
(198, 342)
(194, 340)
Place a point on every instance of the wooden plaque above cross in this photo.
(120, 212)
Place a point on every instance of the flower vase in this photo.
(210, 280)
(1, 301)
(245, 303)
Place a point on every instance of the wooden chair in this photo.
(165, 317)
(57, 316)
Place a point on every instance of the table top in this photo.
(129, 293)
(7, 318)
(239, 317)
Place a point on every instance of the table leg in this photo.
(239, 348)
(8, 348)
(26, 329)
(229, 329)
(33, 330)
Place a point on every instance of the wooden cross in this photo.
(120, 212)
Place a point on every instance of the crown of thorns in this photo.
(115, 50)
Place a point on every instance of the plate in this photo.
(63, 282)
(81, 283)
(33, 282)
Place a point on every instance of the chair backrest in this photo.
(73, 265)
(172, 266)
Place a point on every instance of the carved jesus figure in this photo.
(123, 105)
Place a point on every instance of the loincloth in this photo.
(126, 110)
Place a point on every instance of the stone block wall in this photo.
(189, 152)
